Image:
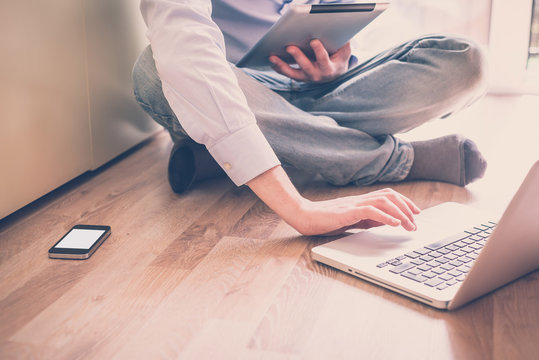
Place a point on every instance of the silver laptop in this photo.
(457, 254)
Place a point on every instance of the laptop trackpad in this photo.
(383, 243)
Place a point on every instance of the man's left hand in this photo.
(324, 69)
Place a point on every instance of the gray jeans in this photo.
(344, 130)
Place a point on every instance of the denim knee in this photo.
(466, 65)
(474, 65)
(149, 95)
(147, 85)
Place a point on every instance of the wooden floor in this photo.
(215, 274)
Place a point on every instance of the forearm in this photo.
(334, 216)
(276, 190)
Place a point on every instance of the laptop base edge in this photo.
(435, 303)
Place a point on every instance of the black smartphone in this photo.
(80, 242)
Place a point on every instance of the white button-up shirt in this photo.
(191, 50)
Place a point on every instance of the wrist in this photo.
(276, 190)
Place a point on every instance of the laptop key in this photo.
(424, 267)
(449, 240)
(412, 255)
(438, 271)
(447, 267)
(443, 260)
(481, 236)
(426, 258)
(473, 231)
(384, 264)
(452, 247)
(434, 282)
(401, 268)
(418, 278)
(422, 251)
(417, 262)
(429, 274)
(441, 287)
(454, 273)
(468, 240)
(460, 244)
(445, 277)
(459, 253)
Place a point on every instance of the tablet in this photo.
(333, 24)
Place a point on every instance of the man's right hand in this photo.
(332, 217)
(323, 69)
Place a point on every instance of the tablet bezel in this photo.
(333, 24)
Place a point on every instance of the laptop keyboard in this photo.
(443, 263)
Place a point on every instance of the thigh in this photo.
(403, 87)
(316, 144)
(149, 95)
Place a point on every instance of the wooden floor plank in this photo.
(215, 273)
(258, 285)
(121, 253)
(182, 314)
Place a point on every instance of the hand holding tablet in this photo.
(323, 68)
(333, 24)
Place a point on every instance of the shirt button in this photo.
(227, 166)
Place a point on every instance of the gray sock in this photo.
(452, 158)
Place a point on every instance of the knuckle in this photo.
(392, 197)
(382, 200)
(390, 193)
(370, 209)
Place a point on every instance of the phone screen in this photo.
(80, 242)
(80, 239)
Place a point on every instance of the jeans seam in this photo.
(150, 110)
(361, 71)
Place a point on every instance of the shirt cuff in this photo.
(244, 154)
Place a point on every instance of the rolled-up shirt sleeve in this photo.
(201, 88)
